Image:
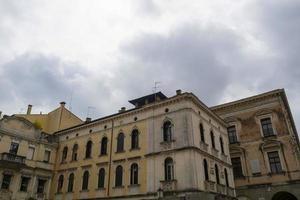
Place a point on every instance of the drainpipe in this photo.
(110, 157)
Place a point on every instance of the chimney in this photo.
(88, 119)
(29, 109)
(123, 109)
(178, 92)
(62, 104)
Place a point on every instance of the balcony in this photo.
(203, 146)
(215, 152)
(229, 191)
(210, 186)
(221, 189)
(224, 157)
(12, 160)
(169, 185)
(40, 196)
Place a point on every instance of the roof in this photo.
(149, 98)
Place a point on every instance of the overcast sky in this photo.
(100, 54)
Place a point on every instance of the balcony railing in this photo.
(13, 158)
(230, 191)
(210, 186)
(215, 152)
(203, 146)
(169, 185)
(221, 189)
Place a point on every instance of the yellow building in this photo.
(58, 119)
(164, 147)
(26, 161)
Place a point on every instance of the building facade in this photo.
(163, 148)
(264, 147)
(26, 161)
(171, 148)
(58, 119)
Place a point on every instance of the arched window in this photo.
(134, 174)
(85, 180)
(120, 142)
(88, 150)
(205, 166)
(222, 145)
(167, 131)
(60, 183)
(119, 176)
(74, 152)
(103, 150)
(212, 137)
(169, 169)
(226, 177)
(217, 174)
(202, 133)
(135, 139)
(71, 182)
(64, 154)
(101, 178)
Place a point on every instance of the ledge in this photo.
(133, 185)
(119, 187)
(135, 149)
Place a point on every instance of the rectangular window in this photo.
(30, 153)
(47, 156)
(41, 186)
(14, 148)
(232, 134)
(237, 167)
(274, 161)
(6, 181)
(24, 184)
(266, 126)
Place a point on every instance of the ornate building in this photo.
(264, 147)
(170, 148)
(26, 161)
(163, 148)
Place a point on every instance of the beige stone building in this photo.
(163, 148)
(264, 147)
(26, 161)
(174, 148)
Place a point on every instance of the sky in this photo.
(96, 55)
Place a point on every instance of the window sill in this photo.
(133, 185)
(70, 192)
(135, 149)
(84, 190)
(87, 158)
(167, 142)
(58, 193)
(240, 177)
(103, 155)
(100, 189)
(269, 137)
(168, 181)
(123, 151)
(118, 187)
(276, 173)
(237, 143)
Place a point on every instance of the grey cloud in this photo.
(146, 8)
(44, 81)
(190, 58)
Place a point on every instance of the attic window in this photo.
(105, 127)
(77, 134)
(167, 110)
(67, 137)
(135, 118)
(91, 130)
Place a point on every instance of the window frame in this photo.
(169, 169)
(120, 142)
(101, 178)
(71, 179)
(167, 132)
(241, 171)
(119, 176)
(134, 174)
(236, 138)
(85, 180)
(135, 142)
(281, 170)
(26, 183)
(6, 183)
(103, 148)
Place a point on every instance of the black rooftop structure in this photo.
(147, 99)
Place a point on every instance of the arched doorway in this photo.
(284, 196)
